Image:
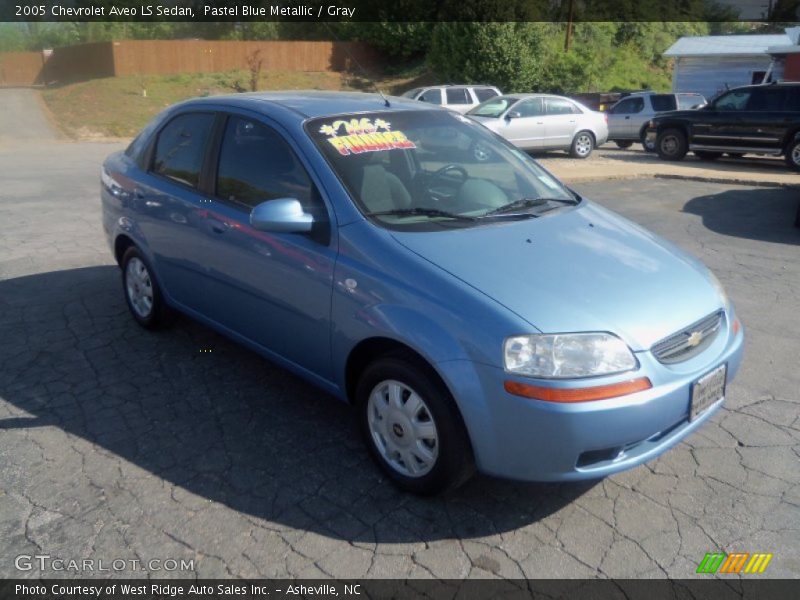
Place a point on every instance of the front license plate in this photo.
(707, 390)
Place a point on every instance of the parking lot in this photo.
(117, 443)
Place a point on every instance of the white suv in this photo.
(459, 98)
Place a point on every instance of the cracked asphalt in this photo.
(117, 443)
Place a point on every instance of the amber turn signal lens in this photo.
(586, 394)
(736, 326)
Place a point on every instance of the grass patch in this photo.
(121, 106)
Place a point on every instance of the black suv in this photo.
(758, 119)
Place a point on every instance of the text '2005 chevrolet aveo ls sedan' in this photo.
(476, 313)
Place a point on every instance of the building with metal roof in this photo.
(713, 63)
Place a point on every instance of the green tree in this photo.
(503, 54)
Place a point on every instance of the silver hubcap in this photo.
(669, 144)
(796, 155)
(402, 428)
(583, 145)
(139, 287)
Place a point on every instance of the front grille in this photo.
(689, 342)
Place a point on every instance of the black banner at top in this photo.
(398, 10)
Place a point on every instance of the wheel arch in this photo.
(121, 245)
(368, 350)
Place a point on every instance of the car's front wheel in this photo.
(624, 144)
(142, 293)
(793, 155)
(582, 145)
(671, 144)
(412, 426)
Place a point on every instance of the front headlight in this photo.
(567, 355)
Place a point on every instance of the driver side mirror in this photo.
(513, 114)
(284, 215)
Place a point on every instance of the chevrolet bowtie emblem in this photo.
(695, 338)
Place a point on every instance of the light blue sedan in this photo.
(477, 313)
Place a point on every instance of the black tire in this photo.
(645, 146)
(624, 144)
(671, 144)
(159, 314)
(454, 463)
(582, 144)
(792, 155)
(703, 155)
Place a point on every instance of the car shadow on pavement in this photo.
(218, 421)
(764, 214)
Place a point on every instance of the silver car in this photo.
(459, 98)
(544, 122)
(628, 118)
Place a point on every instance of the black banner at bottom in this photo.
(388, 589)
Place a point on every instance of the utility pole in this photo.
(570, 17)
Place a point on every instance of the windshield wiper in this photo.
(420, 211)
(526, 203)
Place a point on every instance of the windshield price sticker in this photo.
(364, 135)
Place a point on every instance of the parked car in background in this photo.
(754, 119)
(544, 122)
(459, 98)
(476, 315)
(628, 118)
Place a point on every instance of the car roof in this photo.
(450, 85)
(306, 104)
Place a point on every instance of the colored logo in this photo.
(695, 338)
(736, 562)
(364, 135)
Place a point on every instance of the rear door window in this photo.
(181, 146)
(767, 99)
(458, 96)
(663, 102)
(559, 106)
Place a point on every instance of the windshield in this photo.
(425, 170)
(494, 107)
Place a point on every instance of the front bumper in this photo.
(534, 440)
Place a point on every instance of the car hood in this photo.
(578, 269)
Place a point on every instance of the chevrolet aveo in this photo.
(478, 314)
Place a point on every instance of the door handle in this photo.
(540, 122)
(626, 118)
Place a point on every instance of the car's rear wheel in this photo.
(142, 293)
(671, 144)
(703, 155)
(792, 155)
(412, 426)
(624, 144)
(582, 145)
